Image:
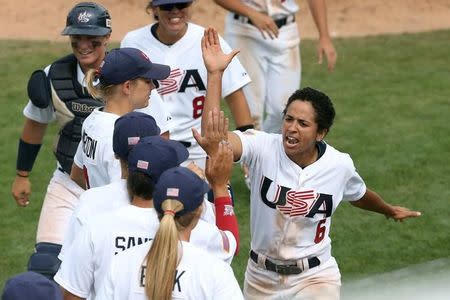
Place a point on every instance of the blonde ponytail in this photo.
(95, 88)
(162, 258)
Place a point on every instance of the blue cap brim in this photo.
(157, 72)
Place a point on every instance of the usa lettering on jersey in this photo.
(179, 80)
(292, 203)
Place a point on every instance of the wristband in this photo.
(245, 127)
(26, 155)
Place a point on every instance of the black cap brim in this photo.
(87, 30)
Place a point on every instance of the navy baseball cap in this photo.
(154, 154)
(180, 184)
(129, 129)
(31, 286)
(164, 2)
(122, 64)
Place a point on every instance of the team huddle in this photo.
(140, 205)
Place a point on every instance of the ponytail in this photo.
(162, 258)
(95, 88)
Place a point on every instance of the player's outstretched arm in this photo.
(214, 125)
(31, 139)
(373, 202)
(218, 172)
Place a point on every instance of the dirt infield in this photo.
(44, 20)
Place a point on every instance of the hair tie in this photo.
(169, 212)
(97, 73)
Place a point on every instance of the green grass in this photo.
(392, 97)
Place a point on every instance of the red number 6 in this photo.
(320, 231)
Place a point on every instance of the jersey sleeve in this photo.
(235, 75)
(41, 115)
(355, 188)
(75, 225)
(158, 111)
(253, 141)
(76, 273)
(106, 290)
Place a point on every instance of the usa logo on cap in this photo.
(142, 164)
(84, 17)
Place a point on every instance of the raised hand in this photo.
(213, 57)
(215, 131)
(219, 167)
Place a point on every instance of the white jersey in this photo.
(199, 276)
(85, 263)
(93, 202)
(109, 197)
(184, 90)
(109, 233)
(291, 207)
(95, 153)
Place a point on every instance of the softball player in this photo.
(174, 41)
(297, 183)
(169, 267)
(56, 93)
(125, 82)
(128, 130)
(112, 232)
(266, 33)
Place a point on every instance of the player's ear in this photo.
(321, 134)
(126, 87)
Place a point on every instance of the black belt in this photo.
(279, 22)
(285, 269)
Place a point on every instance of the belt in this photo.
(290, 269)
(280, 22)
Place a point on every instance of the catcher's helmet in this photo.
(88, 18)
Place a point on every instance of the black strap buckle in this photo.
(291, 269)
(287, 269)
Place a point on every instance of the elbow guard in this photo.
(39, 89)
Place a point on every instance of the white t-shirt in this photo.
(199, 276)
(184, 90)
(291, 207)
(93, 202)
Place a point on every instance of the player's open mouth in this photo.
(291, 140)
